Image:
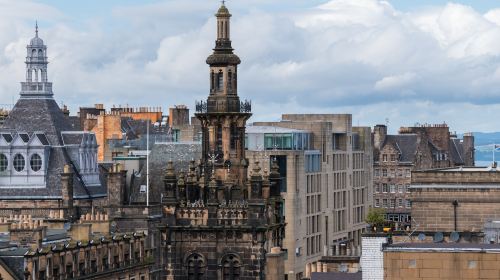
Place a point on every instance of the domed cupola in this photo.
(36, 84)
(36, 41)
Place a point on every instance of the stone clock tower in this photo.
(223, 116)
(220, 223)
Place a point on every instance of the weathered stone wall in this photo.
(433, 208)
(441, 265)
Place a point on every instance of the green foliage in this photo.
(375, 216)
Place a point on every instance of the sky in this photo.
(399, 62)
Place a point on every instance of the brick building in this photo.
(326, 166)
(414, 148)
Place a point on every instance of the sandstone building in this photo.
(460, 199)
(428, 260)
(414, 148)
(325, 164)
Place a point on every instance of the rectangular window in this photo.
(384, 172)
(384, 158)
(287, 141)
(377, 188)
(377, 172)
(392, 173)
(393, 188)
(408, 203)
(400, 188)
(400, 203)
(393, 157)
(385, 188)
(392, 201)
(407, 188)
(384, 203)
(268, 141)
(377, 202)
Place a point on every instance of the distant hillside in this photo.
(484, 143)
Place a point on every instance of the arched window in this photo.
(235, 79)
(195, 265)
(234, 136)
(219, 138)
(33, 53)
(212, 80)
(40, 53)
(227, 30)
(220, 80)
(231, 267)
(229, 80)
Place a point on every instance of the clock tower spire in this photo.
(223, 115)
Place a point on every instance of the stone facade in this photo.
(220, 222)
(414, 148)
(441, 262)
(457, 199)
(328, 186)
(117, 257)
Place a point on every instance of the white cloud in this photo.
(395, 82)
(363, 57)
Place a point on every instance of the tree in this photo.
(375, 217)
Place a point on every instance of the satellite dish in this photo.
(467, 236)
(438, 237)
(421, 237)
(454, 236)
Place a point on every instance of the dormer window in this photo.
(4, 162)
(36, 162)
(19, 162)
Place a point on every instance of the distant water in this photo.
(484, 162)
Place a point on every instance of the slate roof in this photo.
(72, 139)
(457, 151)
(160, 154)
(14, 266)
(406, 144)
(34, 115)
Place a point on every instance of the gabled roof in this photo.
(406, 144)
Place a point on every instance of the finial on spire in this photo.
(223, 2)
(36, 28)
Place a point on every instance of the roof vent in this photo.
(454, 236)
(438, 237)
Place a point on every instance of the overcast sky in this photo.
(399, 61)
